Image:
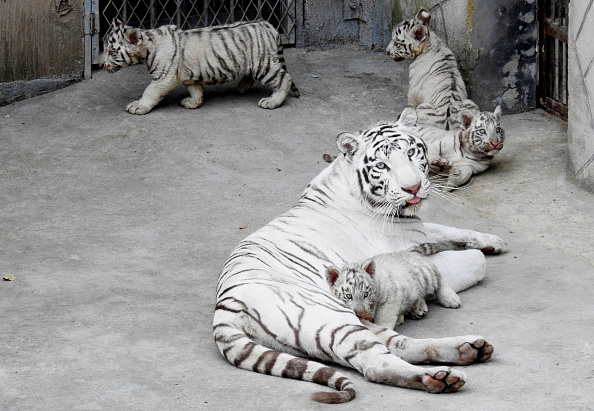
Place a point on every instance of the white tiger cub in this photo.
(274, 311)
(384, 288)
(247, 50)
(467, 151)
(436, 88)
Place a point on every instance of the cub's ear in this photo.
(423, 16)
(133, 37)
(408, 117)
(465, 118)
(420, 32)
(497, 113)
(117, 22)
(332, 274)
(348, 144)
(369, 266)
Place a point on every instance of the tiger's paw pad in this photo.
(476, 351)
(136, 108)
(443, 380)
(190, 103)
(269, 103)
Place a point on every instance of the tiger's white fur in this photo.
(246, 50)
(467, 151)
(436, 88)
(385, 288)
(274, 309)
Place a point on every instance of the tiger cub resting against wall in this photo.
(214, 55)
(436, 88)
(466, 152)
(384, 288)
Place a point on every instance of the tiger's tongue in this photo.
(414, 200)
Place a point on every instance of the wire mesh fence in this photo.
(189, 14)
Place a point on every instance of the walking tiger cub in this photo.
(214, 55)
(274, 311)
(465, 152)
(384, 288)
(436, 88)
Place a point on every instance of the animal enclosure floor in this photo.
(115, 228)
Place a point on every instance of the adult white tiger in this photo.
(274, 306)
(214, 55)
(436, 88)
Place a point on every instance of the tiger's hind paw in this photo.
(191, 103)
(136, 108)
(439, 380)
(269, 103)
(476, 351)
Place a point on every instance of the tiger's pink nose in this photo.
(494, 143)
(412, 189)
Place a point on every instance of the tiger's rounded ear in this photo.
(348, 144)
(117, 22)
(133, 37)
(497, 113)
(423, 16)
(369, 266)
(408, 117)
(420, 32)
(332, 274)
(465, 118)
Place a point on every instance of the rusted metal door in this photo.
(188, 14)
(552, 90)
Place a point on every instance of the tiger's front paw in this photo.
(136, 108)
(440, 166)
(487, 243)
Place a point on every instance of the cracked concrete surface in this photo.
(116, 228)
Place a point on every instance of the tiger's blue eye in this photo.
(482, 131)
(411, 152)
(498, 129)
(382, 166)
(349, 296)
(365, 295)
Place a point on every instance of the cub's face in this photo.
(409, 37)
(485, 135)
(120, 47)
(355, 287)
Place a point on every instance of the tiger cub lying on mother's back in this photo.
(214, 55)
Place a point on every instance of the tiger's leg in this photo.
(196, 98)
(464, 239)
(151, 96)
(460, 269)
(281, 82)
(461, 350)
(245, 83)
(358, 347)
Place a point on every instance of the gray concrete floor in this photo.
(116, 228)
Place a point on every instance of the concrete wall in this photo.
(41, 46)
(581, 94)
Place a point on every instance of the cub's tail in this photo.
(243, 352)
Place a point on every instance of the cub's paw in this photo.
(269, 103)
(190, 103)
(136, 108)
(448, 298)
(478, 350)
(440, 166)
(442, 379)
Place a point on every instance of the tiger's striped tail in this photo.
(281, 59)
(243, 352)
